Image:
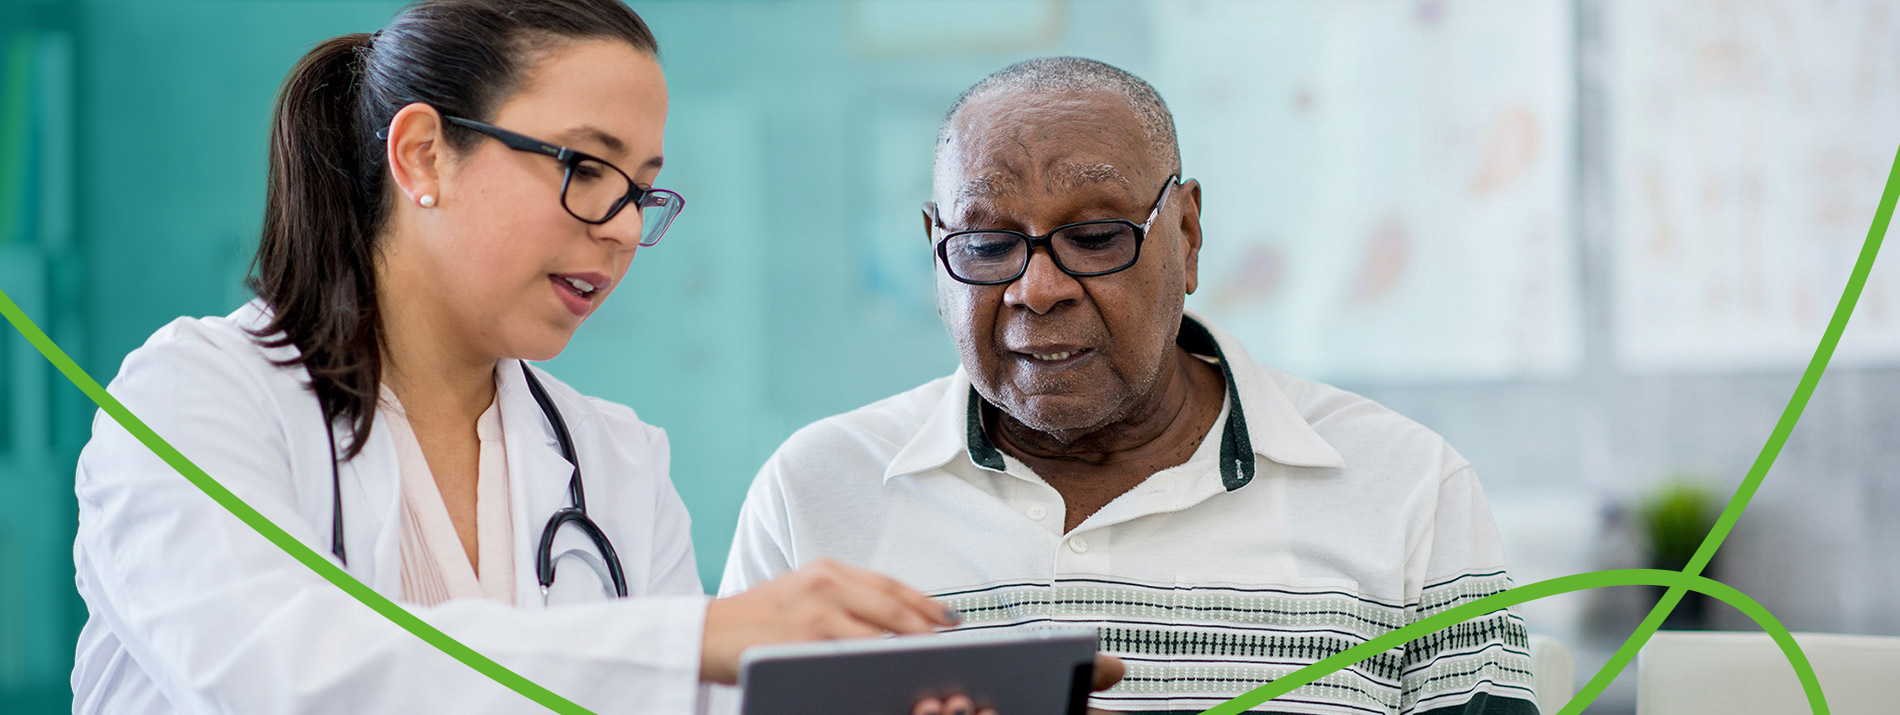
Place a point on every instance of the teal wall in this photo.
(784, 294)
(794, 286)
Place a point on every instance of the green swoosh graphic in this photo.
(1679, 582)
(1766, 459)
(329, 571)
(1496, 602)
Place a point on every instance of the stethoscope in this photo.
(575, 514)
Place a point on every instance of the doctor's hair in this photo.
(327, 200)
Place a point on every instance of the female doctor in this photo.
(447, 198)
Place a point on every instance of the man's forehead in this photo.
(1019, 141)
(1059, 176)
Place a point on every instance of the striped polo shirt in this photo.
(1315, 520)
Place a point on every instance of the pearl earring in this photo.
(427, 201)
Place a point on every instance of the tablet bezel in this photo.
(961, 656)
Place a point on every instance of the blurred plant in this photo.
(1677, 517)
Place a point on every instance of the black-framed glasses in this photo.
(592, 189)
(1082, 249)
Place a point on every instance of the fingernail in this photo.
(961, 710)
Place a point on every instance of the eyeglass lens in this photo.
(595, 190)
(985, 256)
(657, 209)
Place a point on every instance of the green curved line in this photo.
(1496, 602)
(514, 681)
(1766, 459)
(1733, 512)
(323, 566)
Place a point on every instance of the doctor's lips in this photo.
(578, 290)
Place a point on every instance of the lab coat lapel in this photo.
(372, 504)
(537, 473)
(370, 483)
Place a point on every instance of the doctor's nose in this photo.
(622, 231)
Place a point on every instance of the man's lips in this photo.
(1053, 354)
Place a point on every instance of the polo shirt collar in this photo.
(1261, 420)
(1274, 426)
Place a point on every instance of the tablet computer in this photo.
(1030, 672)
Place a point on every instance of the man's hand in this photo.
(953, 705)
(1108, 671)
(825, 600)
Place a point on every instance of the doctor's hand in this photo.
(825, 600)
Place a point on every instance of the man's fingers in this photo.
(959, 705)
(955, 705)
(1108, 671)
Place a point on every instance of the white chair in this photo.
(1742, 673)
(1553, 673)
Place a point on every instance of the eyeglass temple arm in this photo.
(1162, 200)
(514, 140)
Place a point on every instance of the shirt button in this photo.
(1036, 512)
(1078, 545)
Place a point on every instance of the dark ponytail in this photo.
(326, 203)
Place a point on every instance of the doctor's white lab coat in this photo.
(191, 611)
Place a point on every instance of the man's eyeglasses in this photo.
(592, 189)
(1083, 249)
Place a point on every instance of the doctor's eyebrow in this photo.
(616, 148)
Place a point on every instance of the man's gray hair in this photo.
(1048, 75)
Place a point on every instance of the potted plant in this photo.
(1676, 518)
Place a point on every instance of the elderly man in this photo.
(1103, 458)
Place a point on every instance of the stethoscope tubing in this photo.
(575, 514)
(544, 556)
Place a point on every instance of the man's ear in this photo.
(415, 152)
(1191, 232)
(930, 224)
